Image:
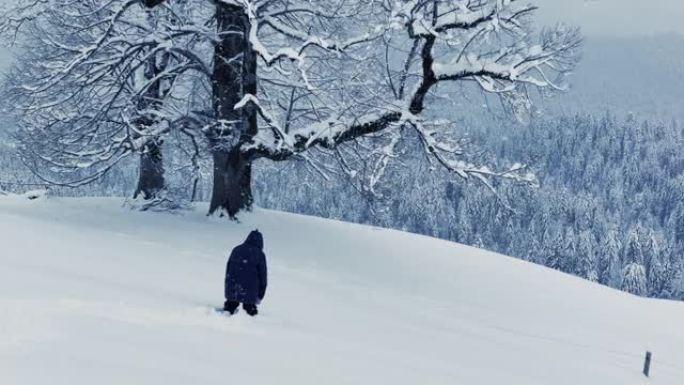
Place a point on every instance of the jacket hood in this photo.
(255, 239)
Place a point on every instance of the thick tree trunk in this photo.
(151, 172)
(232, 190)
(233, 77)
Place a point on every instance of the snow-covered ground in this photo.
(92, 293)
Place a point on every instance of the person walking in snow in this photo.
(246, 275)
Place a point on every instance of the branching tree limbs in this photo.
(94, 77)
(290, 78)
(500, 67)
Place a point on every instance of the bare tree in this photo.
(286, 77)
(90, 87)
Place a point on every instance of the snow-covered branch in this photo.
(274, 78)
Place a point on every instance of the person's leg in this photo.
(231, 306)
(250, 309)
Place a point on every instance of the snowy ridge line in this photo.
(141, 278)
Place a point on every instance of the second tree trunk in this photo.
(151, 172)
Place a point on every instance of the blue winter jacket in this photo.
(246, 274)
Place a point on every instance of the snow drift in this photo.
(92, 293)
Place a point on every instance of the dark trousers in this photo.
(231, 307)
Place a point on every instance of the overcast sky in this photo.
(616, 17)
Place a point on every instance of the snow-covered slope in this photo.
(91, 293)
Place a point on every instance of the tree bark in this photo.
(233, 77)
(151, 172)
(232, 187)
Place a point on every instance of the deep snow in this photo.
(92, 293)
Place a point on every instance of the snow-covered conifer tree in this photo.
(634, 279)
(586, 259)
(609, 259)
(633, 248)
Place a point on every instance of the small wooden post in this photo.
(647, 364)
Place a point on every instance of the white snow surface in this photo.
(93, 293)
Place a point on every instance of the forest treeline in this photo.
(608, 208)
